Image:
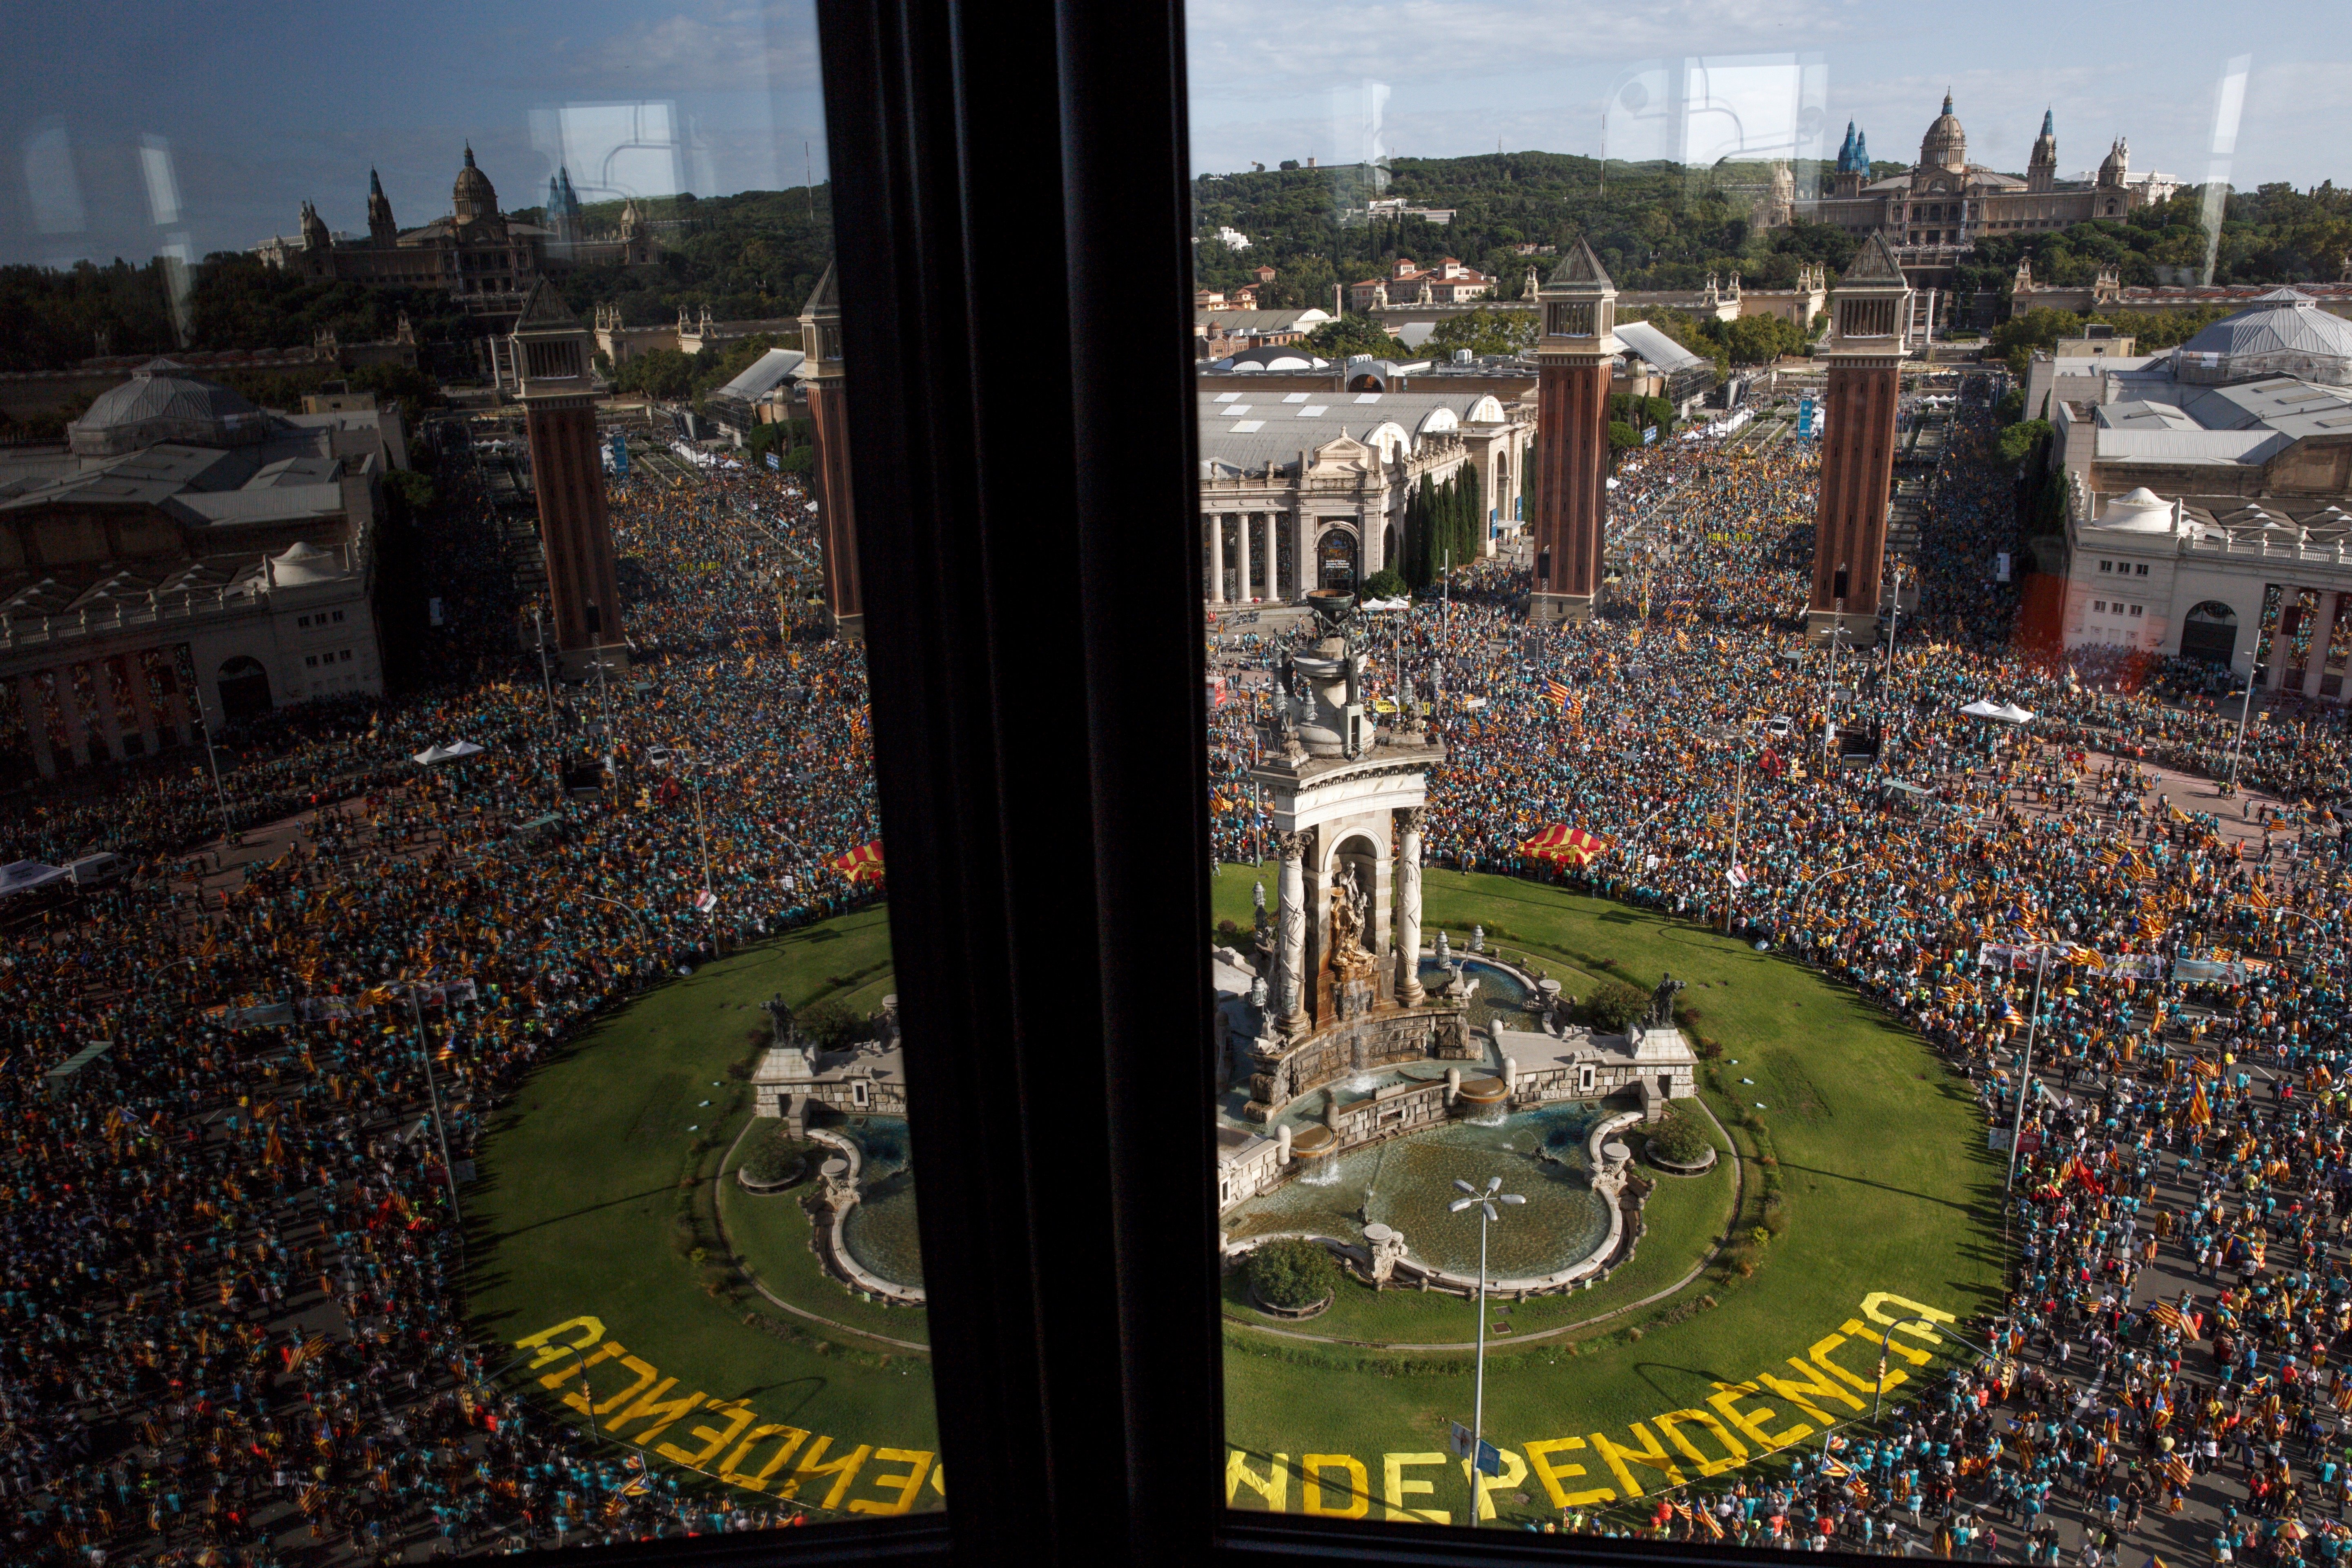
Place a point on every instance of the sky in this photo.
(142, 128)
(138, 128)
(1278, 78)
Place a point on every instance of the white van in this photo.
(97, 870)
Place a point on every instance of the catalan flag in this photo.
(2256, 896)
(1706, 1518)
(2167, 1314)
(1556, 692)
(1561, 842)
(2011, 1016)
(864, 861)
(2200, 1114)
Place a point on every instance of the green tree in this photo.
(1621, 435)
(2020, 441)
(656, 372)
(1384, 584)
(1679, 1140)
(2041, 327)
(1483, 332)
(1613, 1006)
(1350, 336)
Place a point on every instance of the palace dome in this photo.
(473, 197)
(1945, 145)
(2141, 510)
(163, 402)
(2283, 332)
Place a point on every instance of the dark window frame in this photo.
(1024, 484)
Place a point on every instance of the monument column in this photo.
(2281, 637)
(34, 711)
(1303, 555)
(1216, 558)
(2323, 633)
(1272, 561)
(70, 711)
(1290, 916)
(142, 706)
(110, 716)
(1573, 358)
(1870, 333)
(1241, 547)
(1409, 825)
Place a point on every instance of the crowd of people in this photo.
(235, 1331)
(2186, 1120)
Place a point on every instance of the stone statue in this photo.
(1661, 1015)
(1478, 939)
(780, 1017)
(1346, 920)
(1257, 994)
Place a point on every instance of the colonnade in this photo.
(68, 707)
(2328, 609)
(1249, 542)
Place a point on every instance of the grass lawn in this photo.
(581, 1211)
(1880, 1153)
(771, 1237)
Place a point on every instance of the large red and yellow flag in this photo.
(1561, 842)
(864, 861)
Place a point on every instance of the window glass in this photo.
(454, 1095)
(1755, 1001)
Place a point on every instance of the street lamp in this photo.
(1887, 1340)
(1485, 1203)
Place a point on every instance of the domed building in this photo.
(1935, 211)
(184, 560)
(2209, 496)
(484, 258)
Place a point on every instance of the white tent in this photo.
(1387, 604)
(1982, 709)
(448, 754)
(2011, 713)
(24, 876)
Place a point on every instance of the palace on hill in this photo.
(1934, 212)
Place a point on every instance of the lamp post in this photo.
(1484, 1203)
(2025, 1076)
(2245, 710)
(432, 1092)
(1879, 1394)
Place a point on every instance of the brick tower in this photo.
(1580, 319)
(837, 517)
(550, 351)
(1870, 331)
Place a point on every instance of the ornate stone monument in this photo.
(1347, 800)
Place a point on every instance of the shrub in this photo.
(1384, 584)
(1613, 1007)
(829, 1025)
(1292, 1274)
(776, 1156)
(1678, 1141)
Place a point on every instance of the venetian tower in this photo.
(1573, 359)
(1869, 331)
(836, 513)
(551, 355)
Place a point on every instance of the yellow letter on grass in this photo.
(917, 1460)
(1648, 1453)
(1274, 1486)
(1551, 1475)
(1725, 1400)
(1397, 1487)
(1670, 1424)
(1357, 1491)
(1514, 1470)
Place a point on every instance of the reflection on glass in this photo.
(1785, 706)
(453, 1048)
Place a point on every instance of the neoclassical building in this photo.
(2209, 495)
(1936, 210)
(184, 558)
(477, 254)
(1322, 478)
